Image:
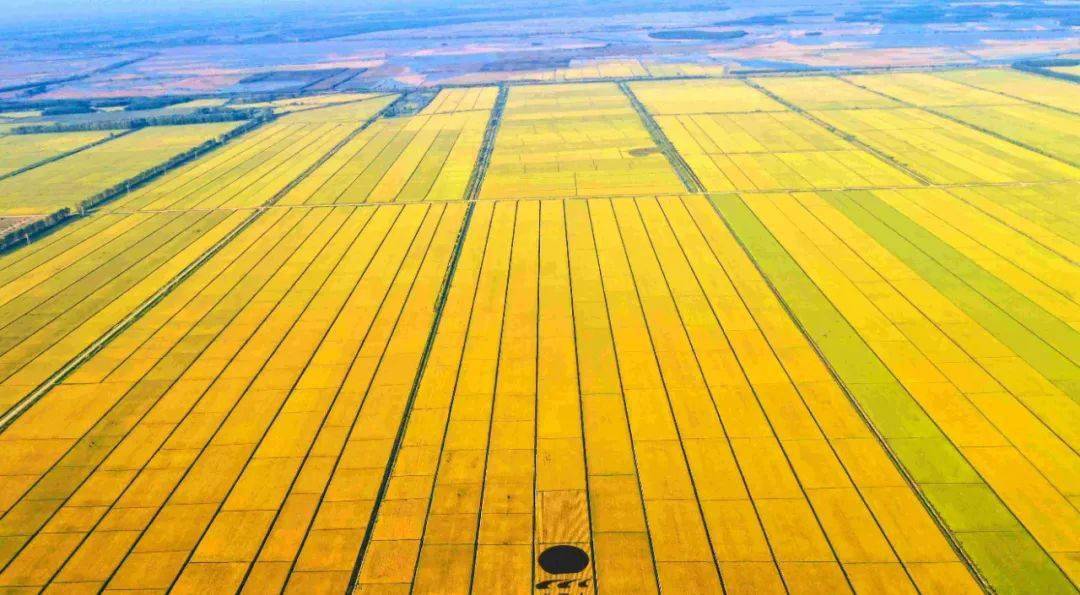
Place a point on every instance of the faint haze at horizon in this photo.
(29, 14)
(16, 12)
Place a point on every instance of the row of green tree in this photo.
(200, 116)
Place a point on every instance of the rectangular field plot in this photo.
(310, 361)
(614, 375)
(69, 181)
(1052, 131)
(1022, 85)
(1047, 213)
(1045, 129)
(702, 97)
(609, 374)
(991, 137)
(925, 89)
(944, 151)
(823, 92)
(20, 150)
(601, 68)
(252, 169)
(425, 157)
(958, 337)
(462, 100)
(59, 294)
(766, 150)
(353, 111)
(247, 172)
(244, 422)
(574, 141)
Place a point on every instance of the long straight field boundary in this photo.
(954, 119)
(340, 103)
(41, 390)
(19, 236)
(681, 167)
(845, 379)
(376, 203)
(844, 135)
(69, 153)
(476, 181)
(745, 228)
(1034, 72)
(739, 236)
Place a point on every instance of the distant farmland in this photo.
(813, 333)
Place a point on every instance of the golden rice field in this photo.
(789, 334)
(574, 140)
(19, 151)
(429, 156)
(68, 181)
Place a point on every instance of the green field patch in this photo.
(931, 460)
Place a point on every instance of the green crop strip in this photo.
(1031, 332)
(999, 547)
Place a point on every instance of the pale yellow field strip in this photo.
(1043, 129)
(1048, 214)
(822, 93)
(1045, 277)
(925, 89)
(241, 415)
(943, 151)
(233, 174)
(702, 97)
(57, 296)
(21, 114)
(67, 182)
(601, 69)
(1015, 427)
(58, 305)
(358, 109)
(462, 100)
(675, 69)
(21, 150)
(1022, 85)
(761, 151)
(197, 104)
(424, 157)
(574, 141)
(596, 69)
(250, 170)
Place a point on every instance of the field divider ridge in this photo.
(87, 206)
(472, 192)
(552, 197)
(65, 154)
(340, 103)
(1035, 72)
(876, 432)
(57, 377)
(682, 168)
